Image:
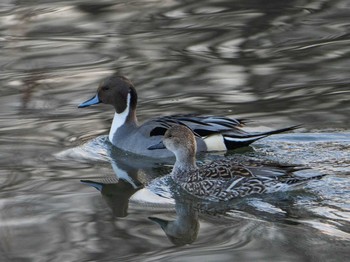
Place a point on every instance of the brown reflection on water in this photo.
(282, 60)
(278, 62)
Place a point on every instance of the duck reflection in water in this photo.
(116, 193)
(126, 187)
(184, 229)
(118, 189)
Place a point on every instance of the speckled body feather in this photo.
(225, 180)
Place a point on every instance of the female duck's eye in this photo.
(105, 88)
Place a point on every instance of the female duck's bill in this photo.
(160, 145)
(92, 101)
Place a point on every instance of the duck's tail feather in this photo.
(289, 183)
(301, 180)
(241, 139)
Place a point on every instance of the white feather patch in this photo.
(122, 174)
(119, 120)
(215, 143)
(238, 139)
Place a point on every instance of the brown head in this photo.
(115, 91)
(180, 140)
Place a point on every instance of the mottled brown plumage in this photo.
(223, 179)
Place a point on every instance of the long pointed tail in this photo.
(302, 180)
(277, 131)
(236, 140)
(287, 183)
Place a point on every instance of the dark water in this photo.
(277, 62)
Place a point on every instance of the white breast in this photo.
(119, 120)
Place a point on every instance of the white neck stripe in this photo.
(119, 119)
(122, 174)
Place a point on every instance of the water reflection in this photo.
(283, 61)
(184, 229)
(115, 194)
(144, 184)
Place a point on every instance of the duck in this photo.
(213, 133)
(225, 179)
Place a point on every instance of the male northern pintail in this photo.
(225, 179)
(214, 133)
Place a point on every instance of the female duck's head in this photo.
(181, 141)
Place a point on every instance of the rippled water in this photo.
(277, 62)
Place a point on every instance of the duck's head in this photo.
(117, 91)
(180, 140)
(181, 231)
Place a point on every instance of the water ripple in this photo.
(278, 62)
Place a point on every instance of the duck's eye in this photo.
(105, 88)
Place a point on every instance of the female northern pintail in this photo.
(222, 180)
(214, 133)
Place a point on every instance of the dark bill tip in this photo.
(160, 145)
(92, 101)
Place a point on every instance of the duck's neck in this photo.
(126, 119)
(184, 162)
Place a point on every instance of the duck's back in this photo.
(225, 180)
(137, 139)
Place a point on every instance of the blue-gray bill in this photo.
(92, 101)
(160, 145)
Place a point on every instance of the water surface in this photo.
(277, 62)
